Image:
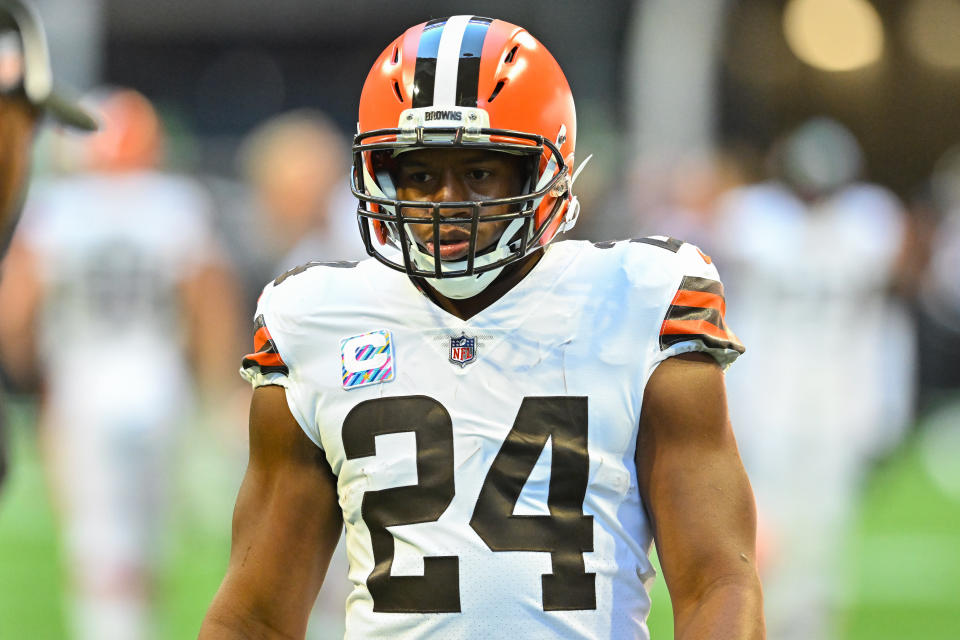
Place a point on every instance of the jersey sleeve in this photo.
(273, 360)
(695, 316)
(265, 366)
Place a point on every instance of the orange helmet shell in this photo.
(131, 136)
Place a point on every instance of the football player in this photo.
(830, 418)
(119, 299)
(26, 91)
(504, 424)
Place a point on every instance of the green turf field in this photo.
(905, 552)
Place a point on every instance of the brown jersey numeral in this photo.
(566, 533)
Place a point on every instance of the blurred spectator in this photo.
(116, 289)
(297, 165)
(809, 260)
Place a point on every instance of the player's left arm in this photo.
(211, 300)
(700, 503)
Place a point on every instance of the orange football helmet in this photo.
(132, 135)
(464, 82)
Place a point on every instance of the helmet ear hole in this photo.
(496, 90)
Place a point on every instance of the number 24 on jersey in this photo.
(566, 533)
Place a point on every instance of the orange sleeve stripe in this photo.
(694, 327)
(685, 298)
(266, 359)
(260, 338)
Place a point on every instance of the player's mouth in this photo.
(450, 249)
(454, 244)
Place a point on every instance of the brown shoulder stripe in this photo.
(697, 313)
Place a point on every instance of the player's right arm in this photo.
(21, 294)
(285, 526)
(691, 478)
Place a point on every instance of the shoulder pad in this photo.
(664, 242)
(338, 264)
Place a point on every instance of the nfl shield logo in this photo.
(462, 350)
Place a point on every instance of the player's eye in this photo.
(479, 174)
(419, 177)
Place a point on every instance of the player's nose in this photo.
(451, 189)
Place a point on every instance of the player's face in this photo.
(17, 122)
(458, 175)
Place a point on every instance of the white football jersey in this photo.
(112, 252)
(485, 467)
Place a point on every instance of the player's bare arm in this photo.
(211, 298)
(285, 526)
(20, 296)
(700, 502)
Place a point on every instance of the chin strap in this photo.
(576, 173)
(570, 216)
(572, 213)
(547, 173)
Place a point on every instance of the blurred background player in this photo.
(811, 257)
(296, 165)
(937, 212)
(116, 291)
(26, 93)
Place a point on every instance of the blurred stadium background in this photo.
(685, 104)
